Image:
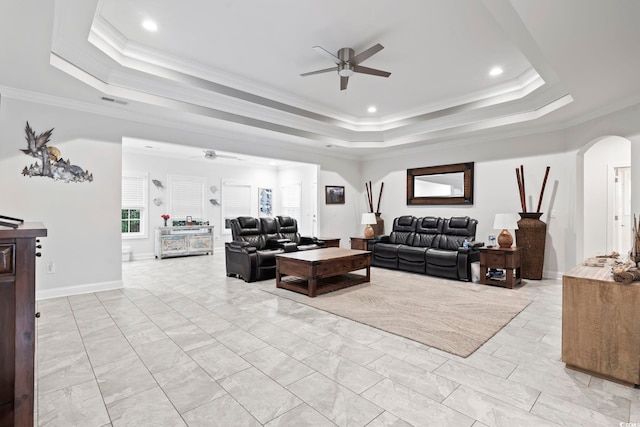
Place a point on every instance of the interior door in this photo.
(622, 221)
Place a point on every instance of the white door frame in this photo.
(611, 199)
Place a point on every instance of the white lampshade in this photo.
(504, 221)
(368, 218)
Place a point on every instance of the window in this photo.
(291, 205)
(186, 197)
(134, 205)
(236, 201)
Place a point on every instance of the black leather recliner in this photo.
(429, 245)
(288, 229)
(251, 255)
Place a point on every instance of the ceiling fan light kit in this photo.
(347, 64)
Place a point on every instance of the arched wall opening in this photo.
(603, 207)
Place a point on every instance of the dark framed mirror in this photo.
(441, 185)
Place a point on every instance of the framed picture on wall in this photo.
(265, 202)
(334, 194)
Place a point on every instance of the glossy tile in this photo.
(514, 393)
(162, 354)
(335, 402)
(189, 336)
(491, 411)
(77, 405)
(565, 413)
(224, 411)
(218, 360)
(260, 395)
(183, 325)
(573, 391)
(301, 416)
(277, 365)
(417, 379)
(123, 378)
(413, 407)
(148, 408)
(188, 386)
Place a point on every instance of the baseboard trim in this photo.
(80, 289)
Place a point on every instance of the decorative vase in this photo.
(530, 237)
(378, 227)
(165, 222)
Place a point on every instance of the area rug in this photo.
(456, 317)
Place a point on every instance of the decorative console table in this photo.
(185, 240)
(601, 324)
(18, 252)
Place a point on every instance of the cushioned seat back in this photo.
(288, 228)
(455, 230)
(428, 232)
(403, 229)
(269, 228)
(247, 229)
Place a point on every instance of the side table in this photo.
(507, 259)
(360, 243)
(330, 242)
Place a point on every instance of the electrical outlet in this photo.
(51, 267)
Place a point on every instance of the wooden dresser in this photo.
(18, 251)
(601, 324)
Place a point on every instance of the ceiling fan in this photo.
(212, 155)
(347, 64)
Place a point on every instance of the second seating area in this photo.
(429, 245)
(256, 242)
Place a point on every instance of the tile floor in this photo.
(182, 344)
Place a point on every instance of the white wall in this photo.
(214, 173)
(495, 191)
(604, 154)
(307, 177)
(83, 219)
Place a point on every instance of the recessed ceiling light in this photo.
(149, 25)
(495, 71)
(372, 109)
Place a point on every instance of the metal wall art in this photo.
(49, 161)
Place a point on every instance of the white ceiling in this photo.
(235, 66)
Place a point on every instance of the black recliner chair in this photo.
(248, 256)
(251, 255)
(288, 229)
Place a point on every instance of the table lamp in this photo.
(505, 222)
(368, 219)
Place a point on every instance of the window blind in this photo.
(186, 197)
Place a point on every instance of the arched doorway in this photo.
(606, 196)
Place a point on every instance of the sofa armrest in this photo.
(308, 240)
(239, 246)
(277, 243)
(380, 239)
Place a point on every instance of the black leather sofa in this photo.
(251, 255)
(429, 245)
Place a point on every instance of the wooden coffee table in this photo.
(319, 271)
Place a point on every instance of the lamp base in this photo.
(368, 232)
(505, 239)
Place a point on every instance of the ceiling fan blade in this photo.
(366, 54)
(344, 81)
(372, 71)
(326, 70)
(327, 54)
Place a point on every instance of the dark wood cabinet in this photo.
(508, 260)
(360, 243)
(18, 251)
